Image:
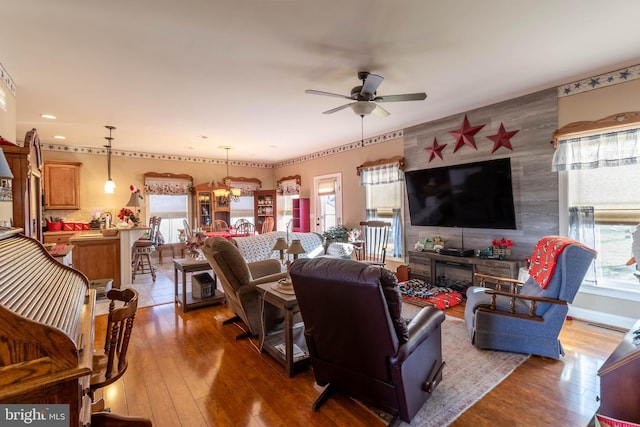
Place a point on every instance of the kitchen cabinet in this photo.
(264, 206)
(300, 217)
(61, 185)
(58, 237)
(98, 258)
(26, 187)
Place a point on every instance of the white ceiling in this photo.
(166, 72)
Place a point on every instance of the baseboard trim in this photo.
(602, 318)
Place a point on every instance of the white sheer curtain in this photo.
(582, 227)
(598, 150)
(384, 174)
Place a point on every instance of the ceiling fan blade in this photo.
(342, 107)
(319, 92)
(405, 97)
(380, 112)
(371, 84)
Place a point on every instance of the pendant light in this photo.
(109, 185)
(230, 193)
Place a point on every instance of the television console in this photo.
(429, 265)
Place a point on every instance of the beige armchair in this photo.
(239, 280)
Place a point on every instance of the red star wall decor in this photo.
(435, 150)
(464, 136)
(502, 138)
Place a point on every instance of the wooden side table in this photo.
(184, 298)
(293, 334)
(358, 249)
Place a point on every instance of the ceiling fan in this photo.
(365, 96)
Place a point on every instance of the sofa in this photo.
(259, 247)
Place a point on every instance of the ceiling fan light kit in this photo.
(363, 108)
(365, 96)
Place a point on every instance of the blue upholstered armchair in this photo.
(528, 318)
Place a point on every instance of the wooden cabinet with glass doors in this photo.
(209, 208)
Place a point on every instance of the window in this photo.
(384, 187)
(600, 200)
(612, 199)
(168, 196)
(285, 212)
(383, 203)
(173, 210)
(242, 209)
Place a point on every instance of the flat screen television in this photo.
(473, 195)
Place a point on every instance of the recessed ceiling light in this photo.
(59, 137)
(202, 136)
(48, 116)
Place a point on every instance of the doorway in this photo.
(328, 201)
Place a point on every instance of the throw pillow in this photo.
(389, 283)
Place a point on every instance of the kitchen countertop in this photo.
(93, 235)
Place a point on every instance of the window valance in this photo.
(167, 184)
(612, 141)
(383, 171)
(289, 186)
(247, 186)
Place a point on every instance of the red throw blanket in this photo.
(545, 256)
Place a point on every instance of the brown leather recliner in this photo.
(239, 280)
(357, 340)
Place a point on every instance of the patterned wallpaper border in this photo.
(174, 157)
(6, 78)
(342, 148)
(603, 80)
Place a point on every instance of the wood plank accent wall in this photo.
(535, 187)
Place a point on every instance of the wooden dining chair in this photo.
(375, 235)
(246, 229)
(220, 225)
(111, 364)
(239, 222)
(187, 229)
(267, 225)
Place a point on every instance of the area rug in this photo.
(468, 375)
(422, 293)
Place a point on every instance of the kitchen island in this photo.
(106, 254)
(97, 255)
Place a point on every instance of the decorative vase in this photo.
(182, 235)
(196, 254)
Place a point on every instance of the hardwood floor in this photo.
(187, 369)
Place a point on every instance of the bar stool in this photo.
(142, 251)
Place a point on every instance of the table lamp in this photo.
(134, 202)
(295, 249)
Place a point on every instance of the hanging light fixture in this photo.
(109, 185)
(230, 193)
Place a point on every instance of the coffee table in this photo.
(280, 343)
(184, 298)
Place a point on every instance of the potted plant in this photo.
(337, 233)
